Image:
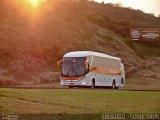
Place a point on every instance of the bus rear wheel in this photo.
(113, 84)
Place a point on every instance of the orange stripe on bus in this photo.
(106, 71)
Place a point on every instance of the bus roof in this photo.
(89, 53)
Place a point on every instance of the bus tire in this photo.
(122, 81)
(117, 87)
(113, 84)
(93, 83)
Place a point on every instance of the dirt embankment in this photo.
(30, 46)
(148, 78)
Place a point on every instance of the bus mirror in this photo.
(59, 63)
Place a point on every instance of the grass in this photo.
(21, 101)
(46, 85)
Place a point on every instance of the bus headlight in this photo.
(83, 83)
(61, 83)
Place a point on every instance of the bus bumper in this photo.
(74, 83)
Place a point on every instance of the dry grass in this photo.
(148, 79)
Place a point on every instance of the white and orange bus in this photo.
(86, 68)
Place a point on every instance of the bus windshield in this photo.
(73, 67)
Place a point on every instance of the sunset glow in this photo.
(34, 3)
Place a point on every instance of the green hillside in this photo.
(32, 41)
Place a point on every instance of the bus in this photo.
(91, 69)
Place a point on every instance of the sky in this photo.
(148, 6)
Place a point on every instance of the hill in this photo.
(33, 40)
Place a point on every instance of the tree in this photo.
(152, 14)
(118, 5)
(102, 2)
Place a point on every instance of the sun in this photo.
(34, 3)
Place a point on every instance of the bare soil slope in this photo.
(32, 42)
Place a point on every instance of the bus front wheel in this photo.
(113, 84)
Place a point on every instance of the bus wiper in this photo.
(72, 69)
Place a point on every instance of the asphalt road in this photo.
(80, 89)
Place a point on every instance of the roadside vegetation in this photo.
(146, 79)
